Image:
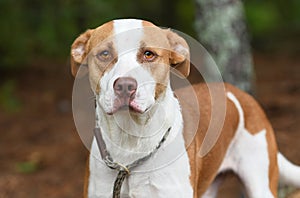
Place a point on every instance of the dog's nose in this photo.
(125, 86)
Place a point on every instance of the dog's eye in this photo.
(149, 56)
(104, 55)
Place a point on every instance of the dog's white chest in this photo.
(161, 176)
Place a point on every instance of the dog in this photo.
(143, 146)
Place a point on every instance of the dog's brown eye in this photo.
(149, 56)
(104, 55)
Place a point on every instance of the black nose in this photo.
(125, 86)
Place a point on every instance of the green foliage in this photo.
(262, 17)
(8, 101)
(13, 39)
(32, 29)
(272, 16)
(27, 167)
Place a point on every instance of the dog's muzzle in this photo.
(124, 89)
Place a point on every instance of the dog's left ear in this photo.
(180, 54)
(79, 51)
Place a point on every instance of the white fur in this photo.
(289, 173)
(128, 141)
(165, 174)
(247, 156)
(212, 190)
(181, 50)
(127, 37)
(78, 52)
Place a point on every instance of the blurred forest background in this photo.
(38, 142)
(32, 29)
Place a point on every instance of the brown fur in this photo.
(77, 58)
(203, 170)
(86, 178)
(179, 60)
(255, 121)
(164, 44)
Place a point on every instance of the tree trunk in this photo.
(222, 31)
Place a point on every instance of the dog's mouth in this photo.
(126, 104)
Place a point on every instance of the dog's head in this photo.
(129, 63)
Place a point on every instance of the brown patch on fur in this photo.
(169, 49)
(180, 55)
(165, 44)
(86, 178)
(159, 90)
(98, 88)
(255, 121)
(93, 42)
(148, 24)
(97, 67)
(100, 34)
(255, 118)
(203, 170)
(273, 167)
(155, 40)
(99, 41)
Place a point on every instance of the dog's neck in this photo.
(129, 136)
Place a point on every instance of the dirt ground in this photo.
(41, 155)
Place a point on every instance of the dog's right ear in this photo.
(180, 54)
(79, 51)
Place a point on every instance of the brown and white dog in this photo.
(129, 64)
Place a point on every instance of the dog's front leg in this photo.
(101, 179)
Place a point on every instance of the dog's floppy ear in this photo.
(79, 51)
(180, 54)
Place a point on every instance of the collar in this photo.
(124, 170)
